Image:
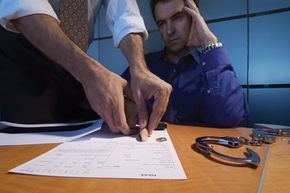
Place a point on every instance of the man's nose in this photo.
(170, 28)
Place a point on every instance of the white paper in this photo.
(102, 155)
(5, 124)
(46, 137)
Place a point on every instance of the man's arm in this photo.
(223, 101)
(144, 84)
(103, 88)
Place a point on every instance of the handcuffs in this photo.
(258, 137)
(203, 144)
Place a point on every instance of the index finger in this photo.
(190, 36)
(159, 107)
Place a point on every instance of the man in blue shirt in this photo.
(205, 88)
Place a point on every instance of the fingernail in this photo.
(143, 134)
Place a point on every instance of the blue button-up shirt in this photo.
(205, 88)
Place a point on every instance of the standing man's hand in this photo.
(105, 92)
(200, 35)
(145, 85)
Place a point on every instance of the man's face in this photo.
(174, 24)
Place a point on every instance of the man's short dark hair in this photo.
(154, 2)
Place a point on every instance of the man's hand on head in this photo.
(200, 35)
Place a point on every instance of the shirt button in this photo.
(203, 63)
(208, 91)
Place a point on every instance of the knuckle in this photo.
(169, 88)
(166, 87)
(124, 82)
(166, 90)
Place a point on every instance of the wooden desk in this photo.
(277, 176)
(203, 175)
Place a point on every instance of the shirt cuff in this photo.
(19, 9)
(125, 28)
(123, 17)
(214, 59)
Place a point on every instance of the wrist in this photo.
(89, 70)
(211, 46)
(138, 68)
(210, 39)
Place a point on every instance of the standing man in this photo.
(46, 75)
(205, 88)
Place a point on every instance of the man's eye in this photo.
(179, 16)
(160, 24)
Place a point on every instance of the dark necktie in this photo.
(73, 15)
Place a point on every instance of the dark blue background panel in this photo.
(214, 9)
(269, 49)
(270, 106)
(265, 5)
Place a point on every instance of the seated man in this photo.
(205, 88)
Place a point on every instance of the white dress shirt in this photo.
(122, 16)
